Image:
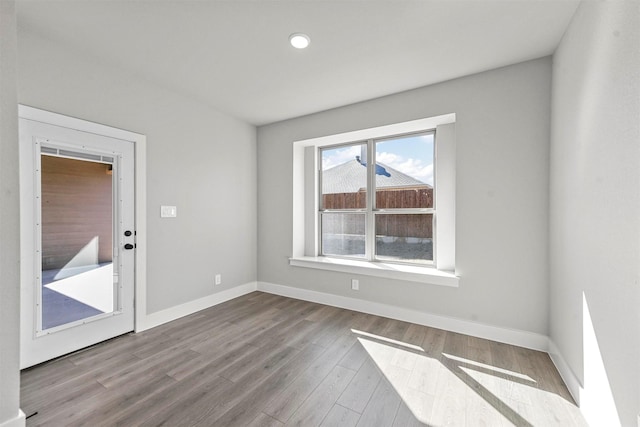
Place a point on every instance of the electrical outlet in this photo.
(218, 279)
(355, 284)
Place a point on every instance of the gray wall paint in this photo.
(502, 196)
(9, 220)
(198, 159)
(595, 197)
(502, 183)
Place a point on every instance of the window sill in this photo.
(427, 275)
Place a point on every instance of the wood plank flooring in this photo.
(266, 360)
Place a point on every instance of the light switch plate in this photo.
(168, 211)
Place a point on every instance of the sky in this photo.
(411, 155)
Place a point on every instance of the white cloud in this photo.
(388, 158)
(337, 157)
(413, 167)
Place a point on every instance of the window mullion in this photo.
(370, 235)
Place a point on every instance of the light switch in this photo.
(168, 211)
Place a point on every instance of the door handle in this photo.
(129, 246)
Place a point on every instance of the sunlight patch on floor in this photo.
(93, 288)
(489, 367)
(397, 365)
(456, 390)
(388, 340)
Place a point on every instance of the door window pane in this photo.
(404, 237)
(343, 234)
(77, 240)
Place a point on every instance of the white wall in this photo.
(595, 208)
(502, 183)
(198, 159)
(10, 414)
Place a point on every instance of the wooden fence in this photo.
(396, 225)
(76, 213)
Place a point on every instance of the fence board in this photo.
(397, 225)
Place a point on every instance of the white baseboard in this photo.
(17, 421)
(516, 337)
(160, 317)
(570, 379)
(505, 335)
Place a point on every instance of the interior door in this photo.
(77, 239)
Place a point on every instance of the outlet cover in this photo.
(355, 284)
(218, 279)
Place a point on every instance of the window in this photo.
(378, 218)
(376, 199)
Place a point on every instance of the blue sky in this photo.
(412, 155)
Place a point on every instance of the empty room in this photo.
(319, 213)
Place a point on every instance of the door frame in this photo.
(140, 192)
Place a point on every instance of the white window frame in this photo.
(371, 210)
(305, 205)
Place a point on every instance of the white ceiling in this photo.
(235, 56)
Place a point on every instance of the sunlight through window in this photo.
(389, 340)
(489, 367)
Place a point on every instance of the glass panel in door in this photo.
(77, 280)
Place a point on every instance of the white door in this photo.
(77, 239)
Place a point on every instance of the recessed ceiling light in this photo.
(299, 40)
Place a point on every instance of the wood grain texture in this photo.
(266, 360)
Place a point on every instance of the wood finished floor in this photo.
(266, 360)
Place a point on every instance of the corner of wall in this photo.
(10, 414)
(594, 298)
(17, 421)
(570, 379)
(163, 316)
